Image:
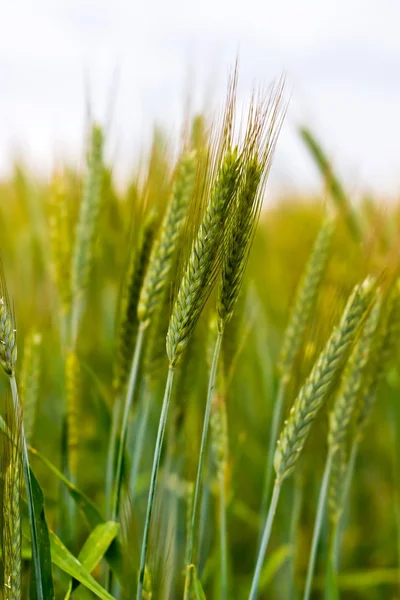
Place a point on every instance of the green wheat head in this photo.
(128, 321)
(204, 259)
(305, 298)
(382, 353)
(319, 383)
(161, 259)
(345, 405)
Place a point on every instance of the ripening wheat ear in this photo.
(310, 400)
(85, 238)
(305, 298)
(60, 239)
(345, 406)
(161, 258)
(128, 322)
(320, 381)
(338, 438)
(11, 522)
(204, 259)
(382, 354)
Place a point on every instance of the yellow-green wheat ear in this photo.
(30, 376)
(239, 235)
(333, 184)
(8, 340)
(305, 298)
(60, 239)
(85, 237)
(344, 408)
(128, 320)
(161, 258)
(72, 382)
(382, 354)
(204, 259)
(319, 383)
(11, 503)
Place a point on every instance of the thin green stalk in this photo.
(223, 540)
(132, 383)
(140, 439)
(111, 452)
(273, 439)
(153, 480)
(29, 493)
(335, 546)
(317, 526)
(294, 528)
(210, 394)
(265, 539)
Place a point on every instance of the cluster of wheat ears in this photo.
(183, 287)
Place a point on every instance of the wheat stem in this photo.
(275, 425)
(317, 526)
(336, 534)
(223, 539)
(206, 422)
(132, 383)
(153, 479)
(265, 539)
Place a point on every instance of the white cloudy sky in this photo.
(342, 60)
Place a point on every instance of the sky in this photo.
(138, 60)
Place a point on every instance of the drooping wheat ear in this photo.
(319, 383)
(72, 382)
(30, 375)
(128, 321)
(60, 239)
(85, 237)
(12, 513)
(382, 353)
(263, 128)
(161, 258)
(305, 298)
(204, 259)
(333, 184)
(344, 408)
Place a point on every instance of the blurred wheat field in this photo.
(78, 252)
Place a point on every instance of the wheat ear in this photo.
(320, 381)
(339, 424)
(128, 320)
(204, 260)
(305, 298)
(310, 400)
(85, 238)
